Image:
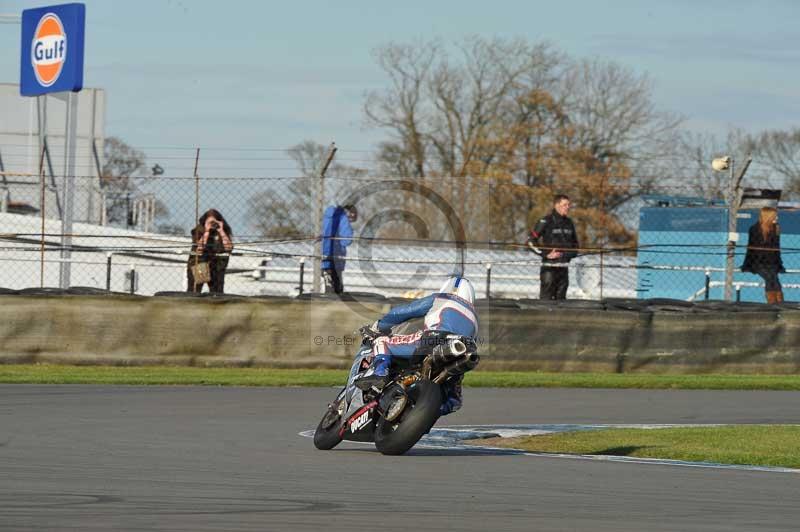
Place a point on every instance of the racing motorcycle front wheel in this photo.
(327, 434)
(421, 411)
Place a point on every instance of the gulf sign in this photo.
(51, 58)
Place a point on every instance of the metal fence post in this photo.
(488, 280)
(605, 240)
(734, 198)
(302, 273)
(318, 220)
(196, 187)
(708, 284)
(43, 202)
(108, 271)
(133, 279)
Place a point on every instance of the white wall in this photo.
(24, 124)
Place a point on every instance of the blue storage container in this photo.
(677, 245)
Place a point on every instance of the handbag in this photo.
(201, 273)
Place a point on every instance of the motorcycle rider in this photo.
(451, 310)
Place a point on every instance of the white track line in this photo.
(450, 438)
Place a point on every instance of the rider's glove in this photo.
(370, 332)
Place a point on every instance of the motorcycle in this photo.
(396, 416)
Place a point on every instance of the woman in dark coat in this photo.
(212, 241)
(764, 253)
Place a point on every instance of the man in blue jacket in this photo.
(337, 234)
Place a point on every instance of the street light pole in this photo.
(320, 207)
(733, 236)
(734, 199)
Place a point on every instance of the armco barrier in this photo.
(655, 336)
(200, 331)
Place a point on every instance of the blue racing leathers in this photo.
(445, 313)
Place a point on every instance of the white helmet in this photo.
(459, 286)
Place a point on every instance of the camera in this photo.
(214, 226)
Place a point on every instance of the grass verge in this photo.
(60, 374)
(166, 375)
(759, 445)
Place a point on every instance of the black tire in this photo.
(422, 411)
(326, 436)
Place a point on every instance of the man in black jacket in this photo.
(554, 238)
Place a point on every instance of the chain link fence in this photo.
(132, 234)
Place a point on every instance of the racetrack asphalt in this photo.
(82, 457)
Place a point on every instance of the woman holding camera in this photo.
(211, 244)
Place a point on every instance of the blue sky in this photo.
(271, 74)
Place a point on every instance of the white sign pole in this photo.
(70, 134)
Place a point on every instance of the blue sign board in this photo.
(51, 54)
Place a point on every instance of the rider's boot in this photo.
(450, 405)
(453, 396)
(376, 375)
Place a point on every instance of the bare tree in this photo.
(616, 122)
(121, 164)
(438, 110)
(283, 210)
(518, 119)
(402, 108)
(693, 173)
(123, 173)
(779, 151)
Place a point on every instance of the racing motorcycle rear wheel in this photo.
(327, 434)
(417, 418)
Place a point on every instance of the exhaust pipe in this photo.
(463, 365)
(444, 353)
(459, 367)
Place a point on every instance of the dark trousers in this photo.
(217, 284)
(333, 280)
(553, 282)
